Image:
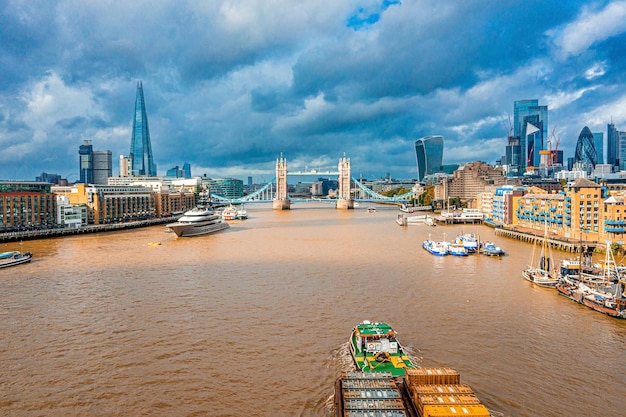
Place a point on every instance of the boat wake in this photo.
(414, 354)
(342, 359)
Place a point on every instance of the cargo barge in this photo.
(421, 392)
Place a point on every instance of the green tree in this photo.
(428, 196)
(616, 248)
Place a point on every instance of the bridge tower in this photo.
(344, 202)
(281, 200)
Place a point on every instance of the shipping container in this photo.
(361, 413)
(441, 389)
(456, 411)
(445, 399)
(437, 376)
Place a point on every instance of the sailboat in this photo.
(604, 293)
(541, 269)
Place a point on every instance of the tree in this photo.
(616, 248)
(427, 196)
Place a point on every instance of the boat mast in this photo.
(580, 252)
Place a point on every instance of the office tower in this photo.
(102, 167)
(429, 153)
(513, 155)
(531, 127)
(186, 170)
(621, 156)
(51, 178)
(585, 148)
(175, 172)
(598, 142)
(85, 152)
(95, 166)
(142, 162)
(612, 145)
(125, 169)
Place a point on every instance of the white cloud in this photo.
(590, 27)
(596, 70)
(563, 98)
(50, 101)
(614, 110)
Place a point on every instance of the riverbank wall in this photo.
(99, 228)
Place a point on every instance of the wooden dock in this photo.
(457, 220)
(554, 242)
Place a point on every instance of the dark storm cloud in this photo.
(229, 85)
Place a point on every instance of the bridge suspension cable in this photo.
(266, 194)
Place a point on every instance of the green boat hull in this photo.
(374, 348)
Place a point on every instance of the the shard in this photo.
(140, 147)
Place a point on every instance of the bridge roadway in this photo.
(266, 189)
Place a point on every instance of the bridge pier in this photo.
(344, 202)
(281, 201)
(281, 204)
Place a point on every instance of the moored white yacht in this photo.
(198, 221)
(242, 213)
(229, 213)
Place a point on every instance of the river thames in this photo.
(254, 321)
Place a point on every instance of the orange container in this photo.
(455, 400)
(441, 389)
(437, 376)
(455, 411)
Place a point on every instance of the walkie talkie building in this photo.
(429, 153)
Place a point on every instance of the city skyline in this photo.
(231, 85)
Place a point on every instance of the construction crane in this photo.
(553, 139)
(510, 127)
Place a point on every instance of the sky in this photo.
(230, 85)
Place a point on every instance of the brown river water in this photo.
(254, 321)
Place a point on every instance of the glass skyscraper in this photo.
(531, 126)
(142, 162)
(585, 148)
(612, 145)
(429, 153)
(85, 153)
(598, 141)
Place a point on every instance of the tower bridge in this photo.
(277, 190)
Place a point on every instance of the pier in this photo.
(69, 231)
(558, 243)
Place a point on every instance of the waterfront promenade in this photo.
(70, 231)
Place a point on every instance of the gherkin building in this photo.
(585, 149)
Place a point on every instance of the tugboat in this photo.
(374, 348)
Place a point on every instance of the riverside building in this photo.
(26, 205)
(582, 211)
(111, 204)
(470, 180)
